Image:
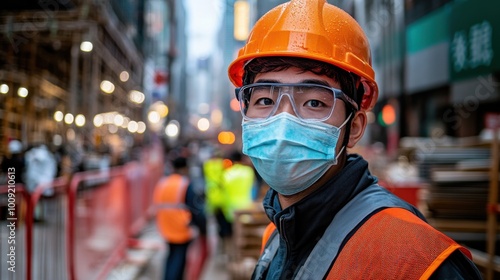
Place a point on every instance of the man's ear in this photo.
(358, 126)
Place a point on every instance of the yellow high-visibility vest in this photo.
(237, 184)
(212, 170)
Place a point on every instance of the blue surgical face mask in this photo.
(289, 153)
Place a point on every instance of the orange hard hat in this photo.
(314, 30)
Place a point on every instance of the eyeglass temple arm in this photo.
(340, 94)
(236, 92)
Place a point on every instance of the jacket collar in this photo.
(303, 223)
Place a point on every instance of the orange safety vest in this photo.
(381, 250)
(391, 244)
(173, 218)
(385, 246)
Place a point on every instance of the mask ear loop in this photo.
(346, 120)
(357, 88)
(343, 146)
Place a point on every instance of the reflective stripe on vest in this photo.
(326, 250)
(173, 217)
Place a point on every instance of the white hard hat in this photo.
(15, 147)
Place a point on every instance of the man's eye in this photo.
(314, 103)
(264, 101)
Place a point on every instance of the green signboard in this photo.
(429, 31)
(474, 38)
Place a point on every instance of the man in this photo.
(179, 209)
(305, 83)
(14, 163)
(41, 168)
(237, 183)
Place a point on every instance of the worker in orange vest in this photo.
(305, 83)
(180, 218)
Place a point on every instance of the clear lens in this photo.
(309, 101)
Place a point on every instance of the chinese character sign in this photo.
(474, 39)
(474, 50)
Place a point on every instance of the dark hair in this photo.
(349, 82)
(179, 162)
(235, 156)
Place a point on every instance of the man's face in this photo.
(295, 75)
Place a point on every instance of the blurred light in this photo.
(58, 116)
(133, 126)
(161, 108)
(136, 96)
(80, 120)
(388, 114)
(241, 20)
(4, 89)
(172, 129)
(203, 124)
(234, 105)
(226, 163)
(126, 120)
(86, 46)
(124, 76)
(98, 120)
(22, 92)
(141, 127)
(154, 117)
(57, 140)
(226, 137)
(118, 120)
(107, 86)
(68, 118)
(70, 134)
(203, 108)
(112, 128)
(109, 117)
(216, 117)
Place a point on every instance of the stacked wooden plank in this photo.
(249, 225)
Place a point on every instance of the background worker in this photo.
(180, 213)
(238, 180)
(13, 163)
(305, 82)
(213, 169)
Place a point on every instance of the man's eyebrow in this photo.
(267, 81)
(316, 82)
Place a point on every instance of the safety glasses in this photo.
(311, 102)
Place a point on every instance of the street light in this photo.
(4, 89)
(107, 86)
(86, 46)
(69, 118)
(22, 92)
(203, 124)
(241, 20)
(172, 129)
(124, 76)
(58, 116)
(80, 120)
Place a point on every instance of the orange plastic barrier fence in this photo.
(77, 229)
(97, 228)
(137, 201)
(410, 192)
